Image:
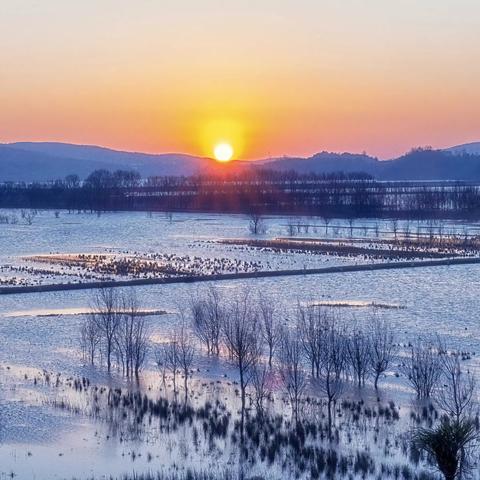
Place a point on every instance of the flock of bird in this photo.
(374, 251)
(81, 267)
(84, 267)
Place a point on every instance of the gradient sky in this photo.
(273, 77)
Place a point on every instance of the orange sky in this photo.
(272, 77)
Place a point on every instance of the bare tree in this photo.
(186, 354)
(358, 354)
(382, 348)
(207, 319)
(28, 216)
(326, 221)
(72, 181)
(161, 361)
(431, 230)
(132, 336)
(291, 227)
(89, 338)
(107, 315)
(291, 369)
(419, 231)
(332, 366)
(422, 368)
(241, 339)
(311, 321)
(215, 316)
(256, 224)
(440, 230)
(351, 222)
(168, 357)
(141, 341)
(270, 328)
(200, 323)
(395, 228)
(124, 339)
(299, 225)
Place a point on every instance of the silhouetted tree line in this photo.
(249, 191)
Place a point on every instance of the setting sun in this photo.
(223, 152)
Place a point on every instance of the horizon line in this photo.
(274, 157)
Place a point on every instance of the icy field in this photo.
(39, 333)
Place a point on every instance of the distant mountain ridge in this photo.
(46, 161)
(326, 162)
(418, 164)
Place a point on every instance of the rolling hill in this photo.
(31, 161)
(418, 164)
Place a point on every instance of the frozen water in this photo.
(39, 441)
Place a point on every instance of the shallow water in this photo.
(434, 300)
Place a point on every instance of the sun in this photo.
(223, 152)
